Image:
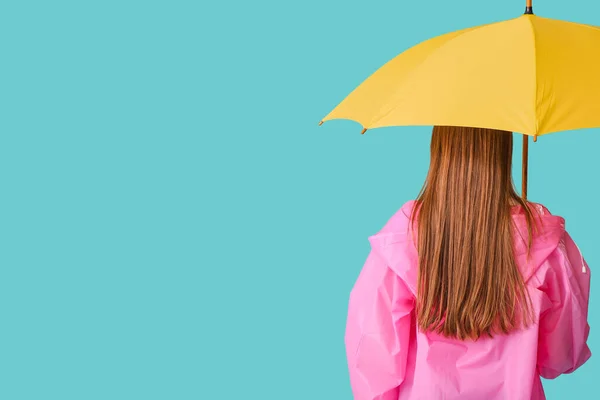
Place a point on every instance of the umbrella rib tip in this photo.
(363, 131)
(320, 123)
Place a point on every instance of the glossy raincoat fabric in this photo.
(390, 359)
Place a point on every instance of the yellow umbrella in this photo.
(530, 75)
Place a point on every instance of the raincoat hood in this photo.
(395, 242)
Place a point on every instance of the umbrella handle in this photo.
(529, 7)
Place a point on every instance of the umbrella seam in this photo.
(535, 78)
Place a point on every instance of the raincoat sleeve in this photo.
(564, 329)
(377, 331)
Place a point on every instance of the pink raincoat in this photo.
(390, 359)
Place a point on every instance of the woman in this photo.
(469, 292)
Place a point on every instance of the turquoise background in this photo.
(173, 222)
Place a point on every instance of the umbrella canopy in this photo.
(530, 75)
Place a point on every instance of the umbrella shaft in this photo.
(524, 176)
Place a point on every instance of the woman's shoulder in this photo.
(538, 208)
(408, 207)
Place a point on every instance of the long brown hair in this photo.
(469, 284)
